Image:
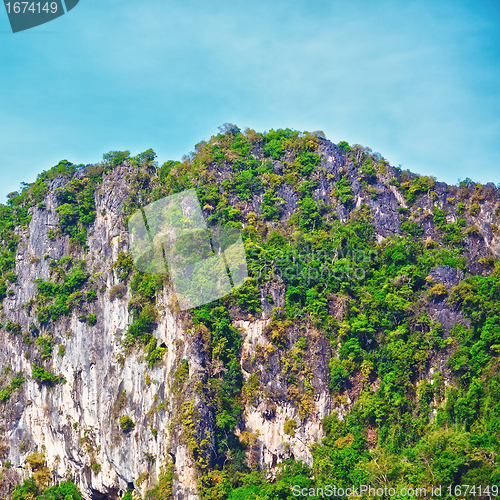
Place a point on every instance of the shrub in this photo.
(126, 423)
(45, 377)
(67, 490)
(15, 383)
(119, 403)
(453, 234)
(154, 353)
(473, 231)
(247, 297)
(118, 291)
(438, 291)
(271, 205)
(142, 324)
(14, 328)
(430, 243)
(45, 343)
(95, 467)
(367, 170)
(309, 216)
(487, 261)
(123, 264)
(5, 394)
(77, 207)
(250, 390)
(414, 188)
(439, 217)
(342, 191)
(143, 477)
(245, 184)
(289, 427)
(163, 487)
(344, 145)
(474, 209)
(412, 228)
(58, 298)
(180, 376)
(26, 491)
(115, 158)
(275, 142)
(338, 374)
(41, 473)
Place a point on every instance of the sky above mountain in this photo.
(416, 81)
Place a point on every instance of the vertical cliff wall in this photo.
(72, 410)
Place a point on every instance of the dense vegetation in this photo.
(410, 423)
(406, 429)
(31, 489)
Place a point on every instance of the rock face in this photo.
(76, 424)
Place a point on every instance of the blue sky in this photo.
(417, 81)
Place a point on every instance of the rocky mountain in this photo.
(362, 348)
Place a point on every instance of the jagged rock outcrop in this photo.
(77, 423)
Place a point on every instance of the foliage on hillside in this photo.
(370, 300)
(31, 489)
(407, 429)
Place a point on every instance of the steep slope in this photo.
(370, 320)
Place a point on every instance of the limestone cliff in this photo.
(75, 422)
